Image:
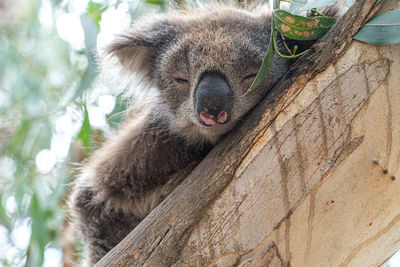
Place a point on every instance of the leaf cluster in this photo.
(380, 29)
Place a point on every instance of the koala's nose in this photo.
(213, 100)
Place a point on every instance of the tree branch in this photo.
(160, 238)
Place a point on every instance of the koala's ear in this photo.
(138, 49)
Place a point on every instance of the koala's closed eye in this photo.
(181, 81)
(248, 79)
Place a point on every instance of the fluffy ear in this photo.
(138, 49)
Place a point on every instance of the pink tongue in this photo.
(207, 119)
(210, 119)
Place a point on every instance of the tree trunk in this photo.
(309, 179)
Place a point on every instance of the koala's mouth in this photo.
(215, 129)
(211, 120)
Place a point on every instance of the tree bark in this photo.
(308, 179)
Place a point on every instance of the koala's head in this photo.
(202, 63)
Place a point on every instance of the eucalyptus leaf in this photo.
(301, 28)
(85, 134)
(39, 233)
(160, 3)
(87, 78)
(20, 193)
(117, 115)
(266, 64)
(19, 137)
(381, 29)
(95, 10)
(299, 6)
(5, 220)
(90, 29)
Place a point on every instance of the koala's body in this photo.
(200, 63)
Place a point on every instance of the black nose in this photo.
(213, 99)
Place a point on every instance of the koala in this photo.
(198, 64)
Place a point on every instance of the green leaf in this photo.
(115, 118)
(87, 79)
(35, 255)
(5, 220)
(160, 3)
(90, 29)
(85, 134)
(381, 29)
(19, 137)
(20, 193)
(39, 235)
(299, 6)
(266, 64)
(301, 28)
(95, 10)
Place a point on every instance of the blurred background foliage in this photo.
(49, 121)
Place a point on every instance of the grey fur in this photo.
(125, 179)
